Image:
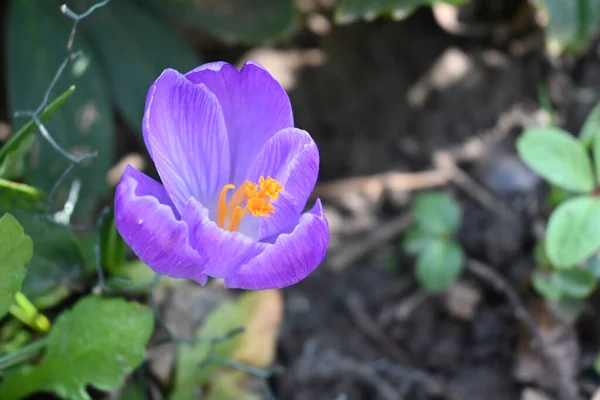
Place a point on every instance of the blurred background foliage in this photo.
(127, 45)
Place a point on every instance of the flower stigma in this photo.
(248, 198)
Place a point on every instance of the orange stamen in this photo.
(256, 196)
(236, 218)
(221, 210)
(237, 199)
(259, 207)
(270, 187)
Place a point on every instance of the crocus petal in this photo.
(148, 221)
(290, 259)
(291, 157)
(255, 107)
(186, 136)
(221, 250)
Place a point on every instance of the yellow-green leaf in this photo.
(260, 313)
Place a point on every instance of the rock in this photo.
(533, 394)
(461, 300)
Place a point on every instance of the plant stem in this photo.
(22, 354)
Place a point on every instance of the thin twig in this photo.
(98, 250)
(445, 161)
(76, 18)
(379, 182)
(490, 276)
(353, 251)
(212, 358)
(371, 329)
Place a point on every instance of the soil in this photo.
(387, 96)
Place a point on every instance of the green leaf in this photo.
(144, 45)
(416, 240)
(56, 263)
(546, 285)
(259, 313)
(573, 232)
(134, 276)
(597, 364)
(567, 309)
(540, 255)
(133, 390)
(15, 251)
(592, 264)
(577, 282)
(13, 151)
(558, 157)
(436, 213)
(230, 385)
(557, 196)
(439, 266)
(596, 152)
(112, 245)
(37, 34)
(591, 127)
(98, 342)
(570, 24)
(17, 195)
(57, 259)
(351, 10)
(240, 20)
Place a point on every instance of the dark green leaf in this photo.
(37, 34)
(241, 20)
(15, 252)
(591, 127)
(350, 10)
(592, 264)
(99, 342)
(17, 195)
(135, 276)
(436, 213)
(573, 231)
(558, 157)
(439, 266)
(597, 364)
(556, 196)
(596, 152)
(417, 240)
(573, 283)
(136, 47)
(112, 245)
(13, 151)
(539, 252)
(570, 24)
(577, 283)
(57, 258)
(546, 285)
(133, 390)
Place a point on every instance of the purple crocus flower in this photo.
(236, 176)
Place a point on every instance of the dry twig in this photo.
(487, 274)
(354, 251)
(371, 329)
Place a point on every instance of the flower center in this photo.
(248, 198)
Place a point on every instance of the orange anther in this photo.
(256, 196)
